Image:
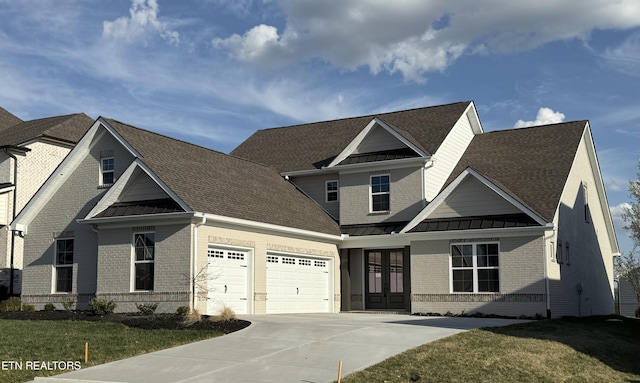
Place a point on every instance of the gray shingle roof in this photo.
(7, 119)
(531, 164)
(217, 183)
(69, 128)
(311, 146)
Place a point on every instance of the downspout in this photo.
(194, 259)
(546, 272)
(13, 216)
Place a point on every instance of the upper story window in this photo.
(64, 265)
(332, 191)
(380, 193)
(107, 166)
(144, 245)
(585, 195)
(475, 268)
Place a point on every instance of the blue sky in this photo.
(214, 71)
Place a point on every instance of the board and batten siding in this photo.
(472, 199)
(142, 188)
(590, 260)
(447, 156)
(378, 140)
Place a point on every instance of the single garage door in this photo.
(297, 284)
(227, 280)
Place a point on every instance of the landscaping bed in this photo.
(134, 320)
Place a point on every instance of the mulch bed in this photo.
(146, 322)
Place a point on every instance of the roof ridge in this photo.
(534, 126)
(363, 116)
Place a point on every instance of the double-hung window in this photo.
(475, 268)
(144, 258)
(332, 191)
(380, 193)
(64, 265)
(107, 166)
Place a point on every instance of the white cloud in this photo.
(413, 37)
(626, 56)
(545, 116)
(618, 222)
(143, 20)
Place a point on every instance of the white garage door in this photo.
(227, 280)
(297, 284)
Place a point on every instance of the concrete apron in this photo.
(284, 348)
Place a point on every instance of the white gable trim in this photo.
(57, 178)
(119, 138)
(111, 196)
(353, 145)
(449, 190)
(474, 120)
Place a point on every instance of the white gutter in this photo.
(141, 217)
(546, 272)
(404, 238)
(194, 259)
(271, 227)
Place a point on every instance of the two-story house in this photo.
(417, 210)
(439, 216)
(29, 152)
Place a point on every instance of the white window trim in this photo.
(326, 191)
(134, 261)
(371, 194)
(102, 172)
(54, 281)
(474, 268)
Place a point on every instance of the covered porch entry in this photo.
(376, 279)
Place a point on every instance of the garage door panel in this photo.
(227, 281)
(297, 284)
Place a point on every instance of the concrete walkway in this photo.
(283, 348)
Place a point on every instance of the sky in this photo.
(212, 72)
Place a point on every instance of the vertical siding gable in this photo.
(141, 188)
(447, 157)
(378, 139)
(473, 198)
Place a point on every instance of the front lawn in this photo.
(567, 350)
(38, 344)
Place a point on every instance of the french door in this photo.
(386, 279)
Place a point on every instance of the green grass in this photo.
(568, 350)
(48, 341)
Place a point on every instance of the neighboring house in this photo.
(627, 298)
(29, 152)
(439, 216)
(137, 217)
(417, 210)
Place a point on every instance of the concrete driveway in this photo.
(284, 348)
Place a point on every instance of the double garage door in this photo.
(295, 284)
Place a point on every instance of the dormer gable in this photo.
(471, 196)
(137, 192)
(378, 141)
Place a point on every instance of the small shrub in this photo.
(101, 306)
(183, 310)
(638, 312)
(11, 304)
(68, 304)
(192, 317)
(226, 315)
(27, 307)
(49, 307)
(146, 308)
(448, 314)
(538, 316)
